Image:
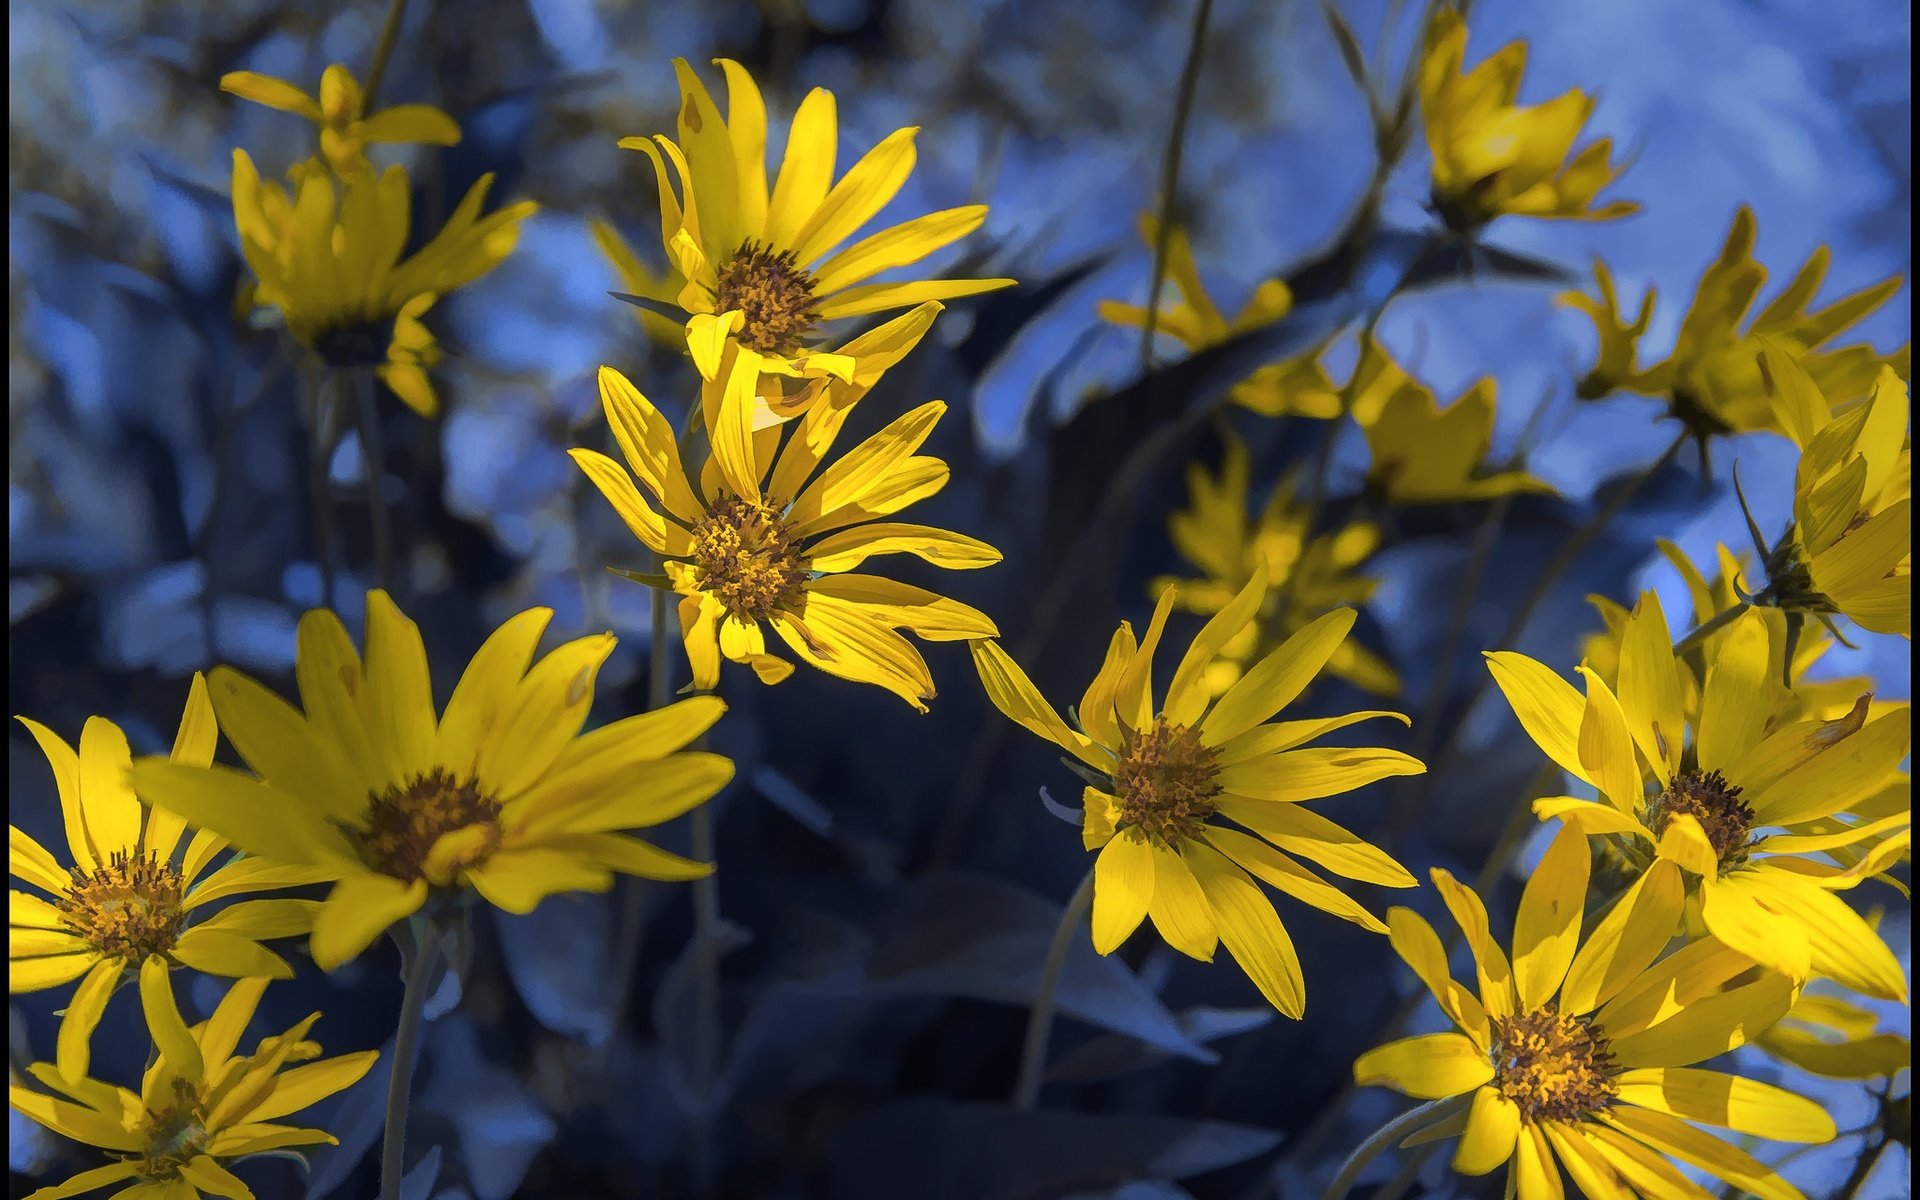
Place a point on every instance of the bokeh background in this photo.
(889, 880)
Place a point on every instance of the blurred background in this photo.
(890, 881)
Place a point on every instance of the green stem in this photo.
(1719, 621)
(382, 53)
(1389, 1135)
(406, 1045)
(374, 459)
(1033, 1051)
(1170, 177)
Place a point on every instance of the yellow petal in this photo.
(1419, 947)
(1431, 1066)
(1727, 1101)
(283, 749)
(1606, 747)
(1122, 889)
(1249, 928)
(1496, 976)
(274, 93)
(1275, 869)
(1020, 702)
(1549, 708)
(359, 909)
(1296, 775)
(1627, 939)
(546, 714)
(1300, 831)
(74, 1043)
(486, 688)
(1179, 908)
(1650, 686)
(1709, 1026)
(1493, 1123)
(170, 1034)
(114, 819)
(862, 192)
(66, 778)
(1733, 707)
(806, 168)
(1274, 682)
(254, 816)
(1547, 928)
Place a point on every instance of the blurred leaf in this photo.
(557, 956)
(357, 1118)
(1110, 1056)
(499, 1125)
(677, 1009)
(417, 1184)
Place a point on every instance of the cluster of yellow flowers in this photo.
(1687, 900)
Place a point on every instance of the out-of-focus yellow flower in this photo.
(1164, 772)
(1493, 157)
(1554, 1073)
(1421, 454)
(1218, 536)
(773, 533)
(199, 1103)
(759, 269)
(503, 794)
(1697, 817)
(1837, 1038)
(642, 280)
(327, 256)
(1850, 550)
(1711, 381)
(346, 128)
(125, 902)
(1297, 386)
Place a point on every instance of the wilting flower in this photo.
(1493, 157)
(1701, 807)
(771, 537)
(1421, 454)
(760, 269)
(1551, 1067)
(504, 795)
(346, 128)
(1298, 385)
(199, 1103)
(1711, 380)
(328, 257)
(1161, 774)
(1214, 533)
(125, 902)
(1850, 549)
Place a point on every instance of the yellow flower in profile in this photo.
(327, 256)
(503, 794)
(1297, 386)
(764, 270)
(1553, 1075)
(771, 537)
(346, 128)
(1850, 550)
(1421, 453)
(1164, 772)
(1493, 157)
(199, 1102)
(1215, 534)
(1711, 381)
(125, 903)
(1696, 817)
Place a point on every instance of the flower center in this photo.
(175, 1135)
(129, 908)
(1715, 803)
(360, 344)
(1553, 1067)
(405, 824)
(774, 295)
(1790, 580)
(1165, 781)
(749, 559)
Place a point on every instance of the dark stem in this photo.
(382, 53)
(632, 914)
(706, 1029)
(1033, 1050)
(1170, 176)
(320, 430)
(1863, 1170)
(406, 1045)
(373, 455)
(1389, 1135)
(1708, 628)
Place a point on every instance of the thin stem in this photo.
(320, 426)
(1170, 176)
(373, 455)
(1863, 1168)
(1389, 1135)
(382, 52)
(1033, 1051)
(1713, 625)
(406, 1044)
(706, 1028)
(626, 938)
(1397, 1187)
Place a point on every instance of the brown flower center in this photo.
(1553, 1067)
(1166, 781)
(404, 824)
(1715, 803)
(128, 908)
(748, 558)
(175, 1135)
(773, 294)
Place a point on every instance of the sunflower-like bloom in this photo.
(1850, 550)
(346, 128)
(1711, 381)
(503, 795)
(328, 258)
(1695, 817)
(1298, 386)
(127, 901)
(771, 536)
(1493, 157)
(1558, 1058)
(1422, 454)
(1165, 772)
(1216, 536)
(199, 1102)
(760, 270)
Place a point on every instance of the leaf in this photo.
(1109, 1056)
(557, 957)
(660, 308)
(499, 1125)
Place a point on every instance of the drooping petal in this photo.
(1122, 889)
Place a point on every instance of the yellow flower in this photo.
(770, 536)
(126, 902)
(1836, 1038)
(1711, 381)
(1422, 455)
(1550, 1068)
(198, 1103)
(504, 795)
(328, 257)
(1213, 534)
(1850, 550)
(1697, 816)
(1296, 386)
(1493, 157)
(1164, 772)
(340, 111)
(759, 269)
(641, 280)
